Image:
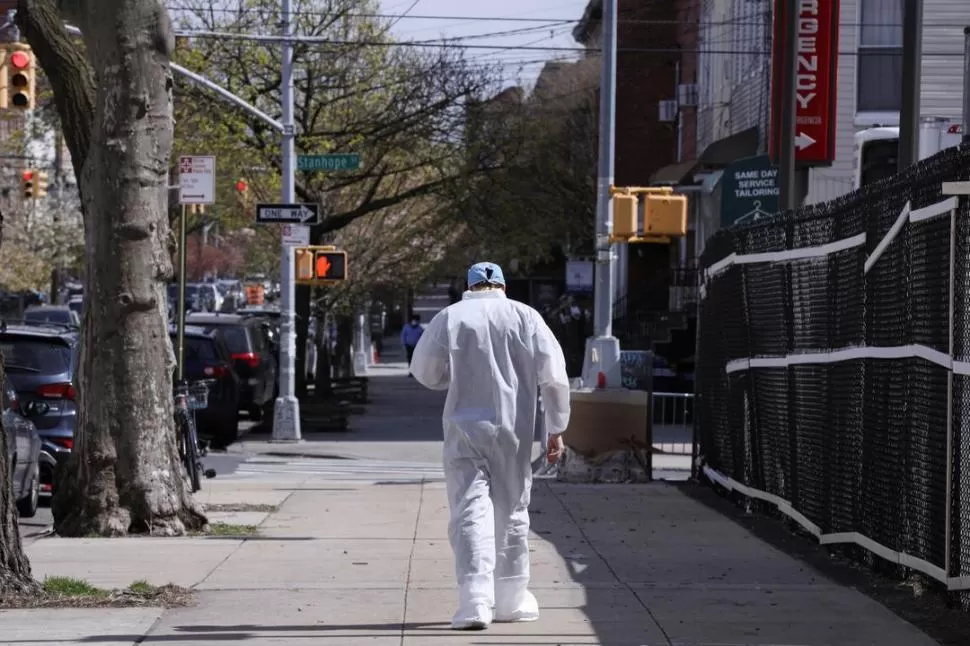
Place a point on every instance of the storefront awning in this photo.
(673, 174)
(715, 157)
(729, 149)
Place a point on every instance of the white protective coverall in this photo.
(492, 354)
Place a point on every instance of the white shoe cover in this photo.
(527, 610)
(476, 618)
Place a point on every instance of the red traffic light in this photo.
(20, 60)
(28, 175)
(241, 186)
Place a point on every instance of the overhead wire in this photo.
(629, 21)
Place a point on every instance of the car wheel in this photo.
(27, 506)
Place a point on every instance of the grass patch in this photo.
(228, 508)
(68, 592)
(229, 529)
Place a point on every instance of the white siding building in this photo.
(735, 72)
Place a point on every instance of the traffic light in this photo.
(28, 184)
(242, 191)
(42, 184)
(320, 265)
(19, 70)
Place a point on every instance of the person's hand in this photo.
(555, 448)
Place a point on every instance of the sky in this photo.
(535, 23)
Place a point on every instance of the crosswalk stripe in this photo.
(357, 470)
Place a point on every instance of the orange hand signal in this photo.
(323, 266)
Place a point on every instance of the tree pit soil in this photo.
(72, 593)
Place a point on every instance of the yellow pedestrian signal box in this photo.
(320, 265)
(625, 216)
(665, 215)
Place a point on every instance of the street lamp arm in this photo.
(215, 87)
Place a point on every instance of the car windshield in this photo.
(234, 335)
(76, 306)
(24, 354)
(41, 315)
(198, 349)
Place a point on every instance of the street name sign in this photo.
(295, 235)
(197, 179)
(331, 161)
(816, 79)
(287, 213)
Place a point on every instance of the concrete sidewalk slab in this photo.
(254, 518)
(119, 562)
(278, 565)
(298, 616)
(239, 492)
(366, 512)
(112, 626)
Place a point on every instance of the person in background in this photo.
(492, 355)
(410, 335)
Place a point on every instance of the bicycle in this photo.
(190, 397)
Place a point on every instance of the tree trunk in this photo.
(15, 576)
(125, 474)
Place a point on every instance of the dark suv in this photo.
(208, 358)
(41, 363)
(252, 354)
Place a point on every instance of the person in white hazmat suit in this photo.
(493, 355)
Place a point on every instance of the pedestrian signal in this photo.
(320, 265)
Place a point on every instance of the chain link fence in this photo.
(833, 369)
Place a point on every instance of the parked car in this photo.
(60, 314)
(76, 305)
(207, 357)
(41, 364)
(252, 356)
(23, 454)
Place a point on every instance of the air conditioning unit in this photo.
(687, 95)
(668, 110)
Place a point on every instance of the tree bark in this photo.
(124, 475)
(15, 576)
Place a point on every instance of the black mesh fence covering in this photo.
(824, 385)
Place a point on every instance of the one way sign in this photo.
(288, 213)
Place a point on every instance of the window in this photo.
(880, 61)
(27, 355)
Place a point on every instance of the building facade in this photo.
(734, 76)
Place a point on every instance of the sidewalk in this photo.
(619, 565)
(347, 563)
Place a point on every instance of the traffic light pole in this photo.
(601, 366)
(286, 416)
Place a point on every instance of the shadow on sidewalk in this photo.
(926, 609)
(675, 560)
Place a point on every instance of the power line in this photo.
(631, 21)
(326, 40)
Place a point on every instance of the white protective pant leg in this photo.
(489, 489)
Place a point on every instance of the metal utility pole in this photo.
(286, 416)
(787, 183)
(909, 106)
(601, 365)
(966, 84)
